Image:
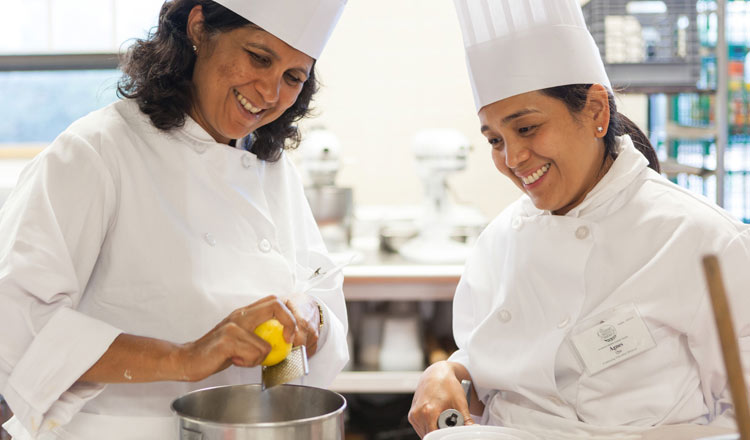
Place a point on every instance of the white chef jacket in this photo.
(120, 227)
(637, 239)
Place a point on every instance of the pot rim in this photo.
(203, 421)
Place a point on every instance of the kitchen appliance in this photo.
(438, 153)
(332, 206)
(246, 412)
(401, 346)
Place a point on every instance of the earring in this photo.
(598, 129)
(195, 48)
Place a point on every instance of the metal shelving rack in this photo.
(665, 53)
(646, 52)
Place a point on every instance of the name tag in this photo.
(611, 337)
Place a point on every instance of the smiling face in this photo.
(243, 79)
(550, 154)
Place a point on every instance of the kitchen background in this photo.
(392, 69)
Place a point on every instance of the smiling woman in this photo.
(168, 226)
(197, 61)
(528, 132)
(588, 288)
(243, 79)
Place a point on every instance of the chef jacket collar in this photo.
(200, 140)
(626, 167)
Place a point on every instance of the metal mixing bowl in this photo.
(244, 412)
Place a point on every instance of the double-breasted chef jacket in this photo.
(120, 227)
(635, 240)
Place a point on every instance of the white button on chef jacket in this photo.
(264, 245)
(504, 316)
(247, 160)
(210, 239)
(582, 232)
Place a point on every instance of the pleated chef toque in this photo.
(517, 46)
(303, 24)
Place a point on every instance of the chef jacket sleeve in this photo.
(333, 352)
(703, 339)
(51, 230)
(471, 303)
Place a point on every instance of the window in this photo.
(74, 26)
(58, 61)
(37, 106)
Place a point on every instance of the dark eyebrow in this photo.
(513, 116)
(518, 114)
(275, 56)
(265, 48)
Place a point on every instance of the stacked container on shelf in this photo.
(693, 110)
(666, 50)
(698, 109)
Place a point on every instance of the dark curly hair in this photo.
(157, 73)
(574, 96)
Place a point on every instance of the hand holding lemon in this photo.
(272, 331)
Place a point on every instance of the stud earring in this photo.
(195, 48)
(598, 129)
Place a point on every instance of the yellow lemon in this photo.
(272, 332)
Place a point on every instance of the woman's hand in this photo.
(439, 388)
(305, 310)
(233, 341)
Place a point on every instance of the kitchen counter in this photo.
(380, 276)
(376, 382)
(401, 282)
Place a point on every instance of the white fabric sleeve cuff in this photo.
(462, 357)
(65, 348)
(332, 354)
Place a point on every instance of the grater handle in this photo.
(451, 417)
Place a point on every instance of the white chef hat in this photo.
(518, 46)
(303, 24)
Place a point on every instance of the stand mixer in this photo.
(439, 152)
(331, 205)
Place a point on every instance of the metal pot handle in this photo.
(189, 434)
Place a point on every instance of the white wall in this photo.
(391, 68)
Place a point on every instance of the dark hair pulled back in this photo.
(575, 95)
(158, 70)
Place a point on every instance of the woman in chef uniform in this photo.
(140, 250)
(582, 311)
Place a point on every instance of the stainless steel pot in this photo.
(244, 412)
